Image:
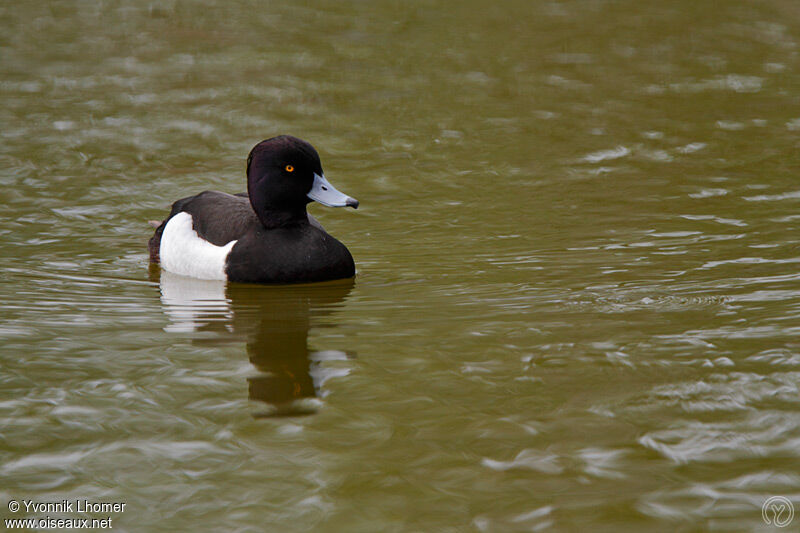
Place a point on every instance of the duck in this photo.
(264, 235)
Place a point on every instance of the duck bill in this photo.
(326, 194)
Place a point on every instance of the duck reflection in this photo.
(273, 321)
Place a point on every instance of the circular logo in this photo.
(777, 511)
(13, 506)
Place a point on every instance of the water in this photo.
(579, 280)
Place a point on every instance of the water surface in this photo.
(578, 299)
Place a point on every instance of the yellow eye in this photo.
(289, 168)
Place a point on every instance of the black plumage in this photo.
(277, 240)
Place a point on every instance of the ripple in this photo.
(603, 463)
(731, 82)
(719, 502)
(529, 459)
(719, 220)
(773, 197)
(605, 155)
(691, 148)
(750, 261)
(708, 193)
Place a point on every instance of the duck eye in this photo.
(289, 168)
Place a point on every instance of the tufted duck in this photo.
(262, 236)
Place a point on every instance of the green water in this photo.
(578, 294)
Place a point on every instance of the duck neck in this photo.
(272, 217)
(275, 213)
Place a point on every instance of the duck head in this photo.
(284, 174)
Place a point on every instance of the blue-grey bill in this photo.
(326, 194)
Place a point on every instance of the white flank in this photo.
(184, 252)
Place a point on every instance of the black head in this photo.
(284, 174)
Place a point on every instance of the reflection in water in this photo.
(273, 321)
